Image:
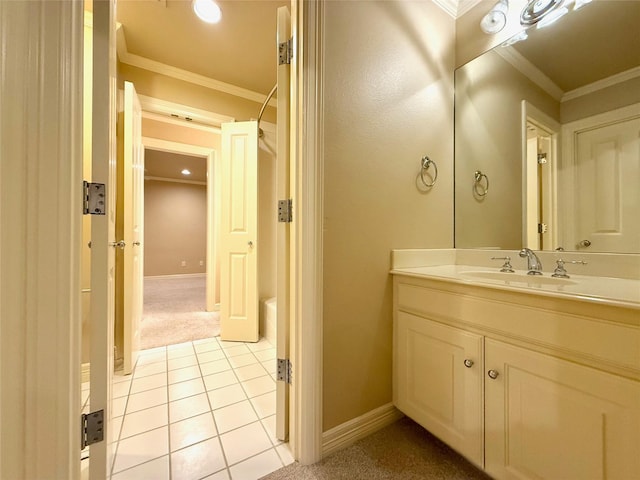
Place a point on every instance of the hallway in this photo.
(201, 409)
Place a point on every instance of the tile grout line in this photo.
(215, 424)
(264, 428)
(199, 364)
(166, 359)
(124, 413)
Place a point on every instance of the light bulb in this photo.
(552, 17)
(496, 19)
(207, 10)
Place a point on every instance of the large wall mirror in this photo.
(547, 137)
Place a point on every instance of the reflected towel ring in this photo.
(480, 189)
(425, 163)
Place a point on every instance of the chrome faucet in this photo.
(534, 265)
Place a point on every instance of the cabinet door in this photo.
(433, 386)
(547, 418)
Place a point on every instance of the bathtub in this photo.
(269, 320)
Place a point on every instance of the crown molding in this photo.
(600, 84)
(449, 6)
(529, 70)
(163, 69)
(465, 5)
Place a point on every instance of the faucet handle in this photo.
(561, 272)
(506, 266)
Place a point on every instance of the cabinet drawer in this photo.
(597, 341)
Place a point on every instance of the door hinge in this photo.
(542, 228)
(285, 211)
(542, 158)
(285, 52)
(284, 370)
(92, 428)
(93, 198)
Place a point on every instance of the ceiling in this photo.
(597, 41)
(240, 50)
(169, 165)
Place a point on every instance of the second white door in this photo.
(239, 245)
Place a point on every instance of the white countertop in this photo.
(603, 290)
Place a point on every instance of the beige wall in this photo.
(175, 221)
(173, 90)
(471, 41)
(267, 215)
(488, 127)
(179, 134)
(388, 100)
(607, 99)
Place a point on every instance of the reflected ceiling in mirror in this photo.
(554, 123)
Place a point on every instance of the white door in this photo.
(607, 175)
(132, 185)
(283, 287)
(103, 230)
(239, 243)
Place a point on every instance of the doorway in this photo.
(224, 391)
(175, 248)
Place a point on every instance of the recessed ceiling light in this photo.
(185, 172)
(207, 10)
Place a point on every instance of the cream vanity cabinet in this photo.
(523, 386)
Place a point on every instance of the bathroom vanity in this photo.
(526, 378)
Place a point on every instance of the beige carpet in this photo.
(174, 312)
(403, 450)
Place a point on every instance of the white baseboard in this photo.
(85, 372)
(178, 275)
(349, 432)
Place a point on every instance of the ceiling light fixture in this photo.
(496, 19)
(185, 172)
(207, 10)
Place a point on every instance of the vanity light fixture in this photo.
(535, 10)
(496, 19)
(580, 3)
(207, 10)
(516, 38)
(185, 172)
(552, 17)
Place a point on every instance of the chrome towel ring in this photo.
(480, 189)
(425, 164)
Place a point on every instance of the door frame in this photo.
(530, 197)
(213, 205)
(40, 238)
(307, 154)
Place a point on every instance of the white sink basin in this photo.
(516, 278)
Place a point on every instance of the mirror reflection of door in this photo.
(541, 187)
(607, 160)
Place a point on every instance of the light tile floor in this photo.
(202, 409)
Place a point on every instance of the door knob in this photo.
(584, 243)
(250, 243)
(493, 374)
(468, 363)
(119, 244)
